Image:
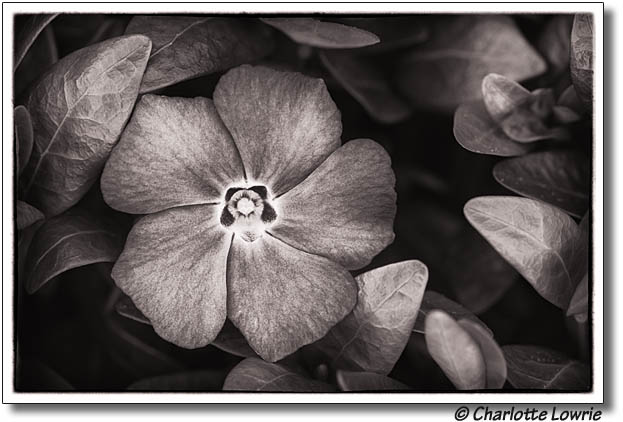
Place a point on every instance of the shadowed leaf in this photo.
(360, 77)
(125, 307)
(560, 178)
(455, 351)
(43, 53)
(578, 307)
(367, 381)
(476, 131)
(321, 34)
(186, 47)
(183, 381)
(68, 241)
(78, 110)
(581, 57)
(492, 354)
(254, 374)
(33, 375)
(372, 337)
(26, 215)
(539, 240)
(448, 69)
(433, 300)
(23, 136)
(553, 43)
(28, 34)
(395, 32)
(534, 367)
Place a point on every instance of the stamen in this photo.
(247, 212)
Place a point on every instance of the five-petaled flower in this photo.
(255, 211)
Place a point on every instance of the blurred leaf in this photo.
(125, 307)
(569, 98)
(183, 381)
(186, 47)
(560, 178)
(519, 113)
(495, 363)
(433, 300)
(578, 307)
(581, 57)
(448, 69)
(26, 215)
(28, 34)
(365, 82)
(23, 136)
(553, 43)
(476, 131)
(40, 57)
(110, 27)
(321, 34)
(33, 375)
(372, 337)
(394, 32)
(78, 110)
(477, 274)
(254, 374)
(539, 240)
(367, 381)
(455, 351)
(68, 241)
(534, 367)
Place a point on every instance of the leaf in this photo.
(26, 215)
(433, 300)
(553, 43)
(448, 69)
(455, 351)
(519, 113)
(183, 381)
(185, 47)
(477, 274)
(78, 110)
(537, 239)
(534, 367)
(395, 32)
(28, 34)
(365, 82)
(253, 374)
(495, 364)
(321, 34)
(581, 57)
(560, 178)
(68, 241)
(578, 307)
(569, 98)
(40, 57)
(230, 339)
(372, 337)
(477, 132)
(23, 136)
(33, 375)
(367, 381)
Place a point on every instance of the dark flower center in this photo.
(247, 212)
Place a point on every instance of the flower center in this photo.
(247, 212)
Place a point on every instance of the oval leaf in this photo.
(372, 337)
(125, 307)
(534, 367)
(448, 69)
(254, 374)
(23, 136)
(365, 82)
(433, 300)
(367, 381)
(78, 110)
(183, 381)
(455, 351)
(581, 57)
(68, 241)
(321, 34)
(185, 47)
(495, 363)
(395, 32)
(26, 215)
(28, 34)
(539, 240)
(476, 131)
(560, 178)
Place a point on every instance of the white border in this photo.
(9, 396)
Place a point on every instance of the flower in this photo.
(255, 211)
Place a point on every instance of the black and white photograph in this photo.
(328, 203)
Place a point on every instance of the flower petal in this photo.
(174, 151)
(174, 269)
(282, 298)
(345, 209)
(284, 124)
